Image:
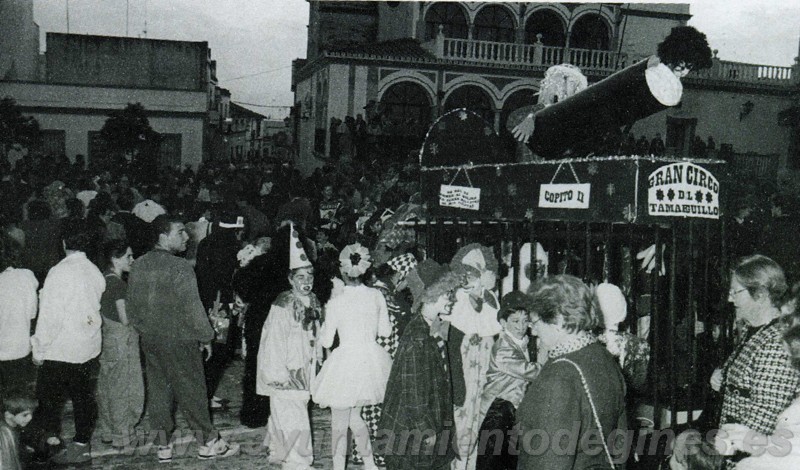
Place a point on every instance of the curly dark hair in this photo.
(685, 45)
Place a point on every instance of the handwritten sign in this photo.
(460, 197)
(683, 190)
(564, 196)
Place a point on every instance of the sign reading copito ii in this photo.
(565, 196)
(683, 190)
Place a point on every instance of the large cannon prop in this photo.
(571, 125)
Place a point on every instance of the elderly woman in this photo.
(580, 388)
(757, 382)
(783, 447)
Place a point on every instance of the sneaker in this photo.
(217, 448)
(217, 406)
(164, 454)
(73, 453)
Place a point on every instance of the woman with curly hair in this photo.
(356, 372)
(580, 390)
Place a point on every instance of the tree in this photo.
(127, 133)
(16, 128)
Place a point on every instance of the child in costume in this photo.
(474, 317)
(355, 373)
(287, 361)
(510, 372)
(418, 398)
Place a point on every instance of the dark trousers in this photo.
(60, 380)
(215, 366)
(221, 356)
(495, 455)
(255, 408)
(16, 374)
(175, 375)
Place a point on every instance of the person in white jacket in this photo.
(67, 342)
(18, 302)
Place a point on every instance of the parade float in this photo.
(652, 225)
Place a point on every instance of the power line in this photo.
(255, 74)
(261, 105)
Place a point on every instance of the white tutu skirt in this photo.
(353, 375)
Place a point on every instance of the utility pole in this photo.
(145, 19)
(67, 2)
(127, 14)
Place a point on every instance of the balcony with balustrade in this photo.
(600, 62)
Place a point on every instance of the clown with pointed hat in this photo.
(287, 362)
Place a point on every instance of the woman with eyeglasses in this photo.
(757, 381)
(779, 451)
(573, 415)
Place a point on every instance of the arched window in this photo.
(590, 32)
(547, 23)
(494, 23)
(406, 108)
(449, 15)
(473, 98)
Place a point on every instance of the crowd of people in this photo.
(131, 296)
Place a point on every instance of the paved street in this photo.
(252, 455)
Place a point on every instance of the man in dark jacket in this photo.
(165, 308)
(216, 264)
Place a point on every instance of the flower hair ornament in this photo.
(354, 260)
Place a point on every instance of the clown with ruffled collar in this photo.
(474, 317)
(287, 362)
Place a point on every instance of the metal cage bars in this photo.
(675, 301)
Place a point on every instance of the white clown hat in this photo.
(297, 255)
(612, 304)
